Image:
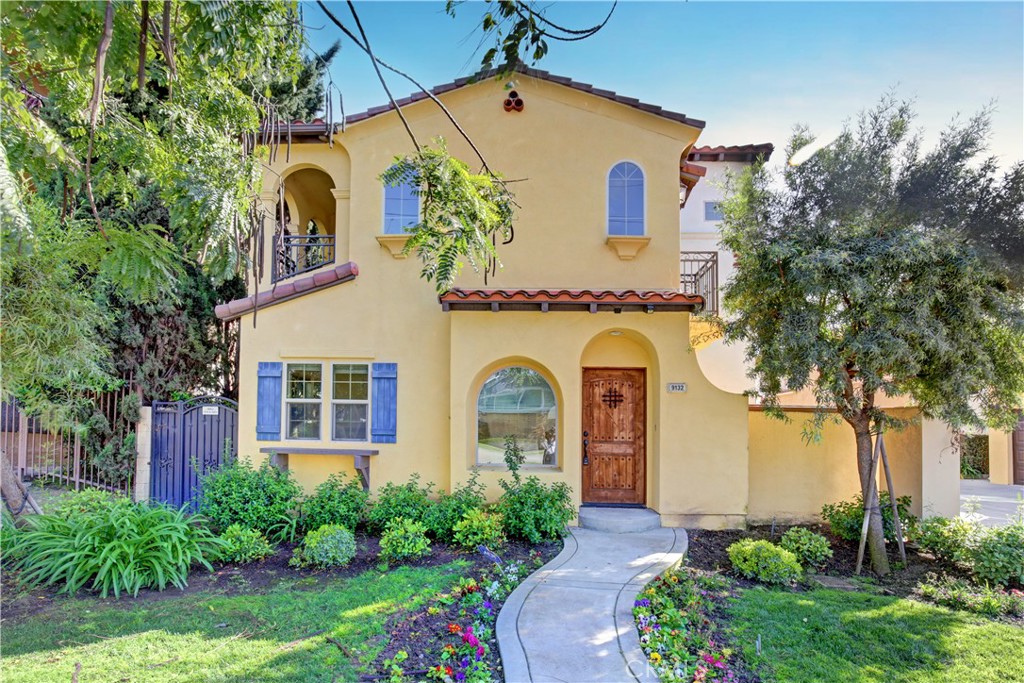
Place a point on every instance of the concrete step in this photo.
(619, 520)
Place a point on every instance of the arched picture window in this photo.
(401, 207)
(626, 199)
(517, 402)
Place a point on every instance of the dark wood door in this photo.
(1018, 453)
(614, 435)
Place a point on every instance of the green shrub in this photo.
(9, 533)
(997, 556)
(120, 548)
(948, 539)
(399, 500)
(529, 509)
(254, 498)
(847, 517)
(331, 545)
(450, 508)
(960, 594)
(404, 539)
(339, 500)
(244, 545)
(810, 549)
(86, 500)
(480, 528)
(763, 561)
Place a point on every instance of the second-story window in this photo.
(401, 208)
(626, 199)
(712, 211)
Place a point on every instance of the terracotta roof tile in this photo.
(732, 152)
(592, 300)
(286, 291)
(301, 128)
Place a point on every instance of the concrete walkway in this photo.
(572, 620)
(996, 502)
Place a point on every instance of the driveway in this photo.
(996, 502)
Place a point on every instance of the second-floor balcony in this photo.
(698, 274)
(297, 254)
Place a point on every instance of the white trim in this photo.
(607, 197)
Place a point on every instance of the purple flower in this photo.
(642, 603)
(460, 676)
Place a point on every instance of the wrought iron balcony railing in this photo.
(698, 274)
(297, 254)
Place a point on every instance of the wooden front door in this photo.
(614, 435)
(1018, 454)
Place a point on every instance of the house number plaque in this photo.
(676, 387)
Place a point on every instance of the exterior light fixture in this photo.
(616, 333)
(650, 309)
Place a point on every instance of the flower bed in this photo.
(675, 619)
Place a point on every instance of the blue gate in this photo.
(190, 438)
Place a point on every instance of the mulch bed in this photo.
(708, 551)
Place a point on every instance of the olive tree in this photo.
(859, 274)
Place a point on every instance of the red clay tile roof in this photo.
(319, 127)
(592, 300)
(285, 291)
(731, 153)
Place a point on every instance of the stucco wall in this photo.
(791, 479)
(1000, 457)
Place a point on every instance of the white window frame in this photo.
(608, 197)
(288, 401)
(347, 401)
(713, 205)
(384, 211)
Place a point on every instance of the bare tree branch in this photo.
(94, 105)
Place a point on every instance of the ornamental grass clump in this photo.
(810, 549)
(120, 548)
(331, 545)
(763, 561)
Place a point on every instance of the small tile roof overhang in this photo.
(286, 291)
(318, 128)
(589, 300)
(732, 153)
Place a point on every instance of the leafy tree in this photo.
(857, 278)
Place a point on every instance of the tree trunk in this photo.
(11, 487)
(876, 531)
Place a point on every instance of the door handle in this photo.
(586, 458)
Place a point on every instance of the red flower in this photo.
(454, 628)
(448, 670)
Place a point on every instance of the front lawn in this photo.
(829, 635)
(217, 636)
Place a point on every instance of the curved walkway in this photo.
(572, 620)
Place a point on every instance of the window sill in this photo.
(395, 244)
(627, 247)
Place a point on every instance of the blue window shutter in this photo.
(268, 402)
(384, 421)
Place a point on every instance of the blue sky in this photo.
(751, 70)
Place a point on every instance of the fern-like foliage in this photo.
(463, 213)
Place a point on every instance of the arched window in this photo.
(625, 199)
(517, 402)
(401, 207)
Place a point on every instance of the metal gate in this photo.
(190, 438)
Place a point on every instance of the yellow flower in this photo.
(655, 657)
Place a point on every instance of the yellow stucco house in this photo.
(580, 345)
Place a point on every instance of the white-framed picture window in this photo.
(712, 211)
(350, 401)
(626, 200)
(303, 400)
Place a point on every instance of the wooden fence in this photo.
(63, 456)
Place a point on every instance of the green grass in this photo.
(828, 635)
(218, 637)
